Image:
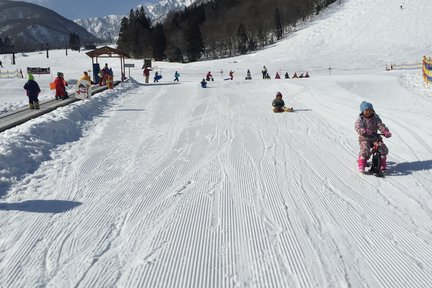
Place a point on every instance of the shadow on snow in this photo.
(406, 168)
(41, 206)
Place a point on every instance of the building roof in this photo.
(107, 52)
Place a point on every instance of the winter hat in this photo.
(278, 94)
(364, 106)
(30, 76)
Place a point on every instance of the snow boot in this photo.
(36, 104)
(31, 106)
(383, 163)
(361, 164)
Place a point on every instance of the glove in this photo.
(367, 132)
(387, 134)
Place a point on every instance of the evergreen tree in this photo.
(243, 39)
(194, 42)
(140, 33)
(74, 41)
(278, 23)
(174, 54)
(123, 39)
(159, 42)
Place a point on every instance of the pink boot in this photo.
(383, 163)
(361, 164)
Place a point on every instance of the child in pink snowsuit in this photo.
(367, 125)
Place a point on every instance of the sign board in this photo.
(38, 70)
(129, 65)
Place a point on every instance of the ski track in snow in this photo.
(206, 189)
(178, 186)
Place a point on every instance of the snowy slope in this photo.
(178, 186)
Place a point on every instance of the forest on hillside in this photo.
(214, 29)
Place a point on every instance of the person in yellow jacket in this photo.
(85, 76)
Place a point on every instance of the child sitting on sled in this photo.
(367, 125)
(279, 104)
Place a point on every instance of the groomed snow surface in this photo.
(172, 185)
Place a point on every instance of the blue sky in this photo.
(75, 9)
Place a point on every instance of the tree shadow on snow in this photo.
(41, 206)
(406, 168)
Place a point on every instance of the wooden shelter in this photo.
(108, 52)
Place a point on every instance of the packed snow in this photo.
(172, 185)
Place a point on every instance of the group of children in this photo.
(266, 75)
(367, 126)
(157, 76)
(59, 85)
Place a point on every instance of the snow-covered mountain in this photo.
(29, 23)
(159, 10)
(108, 27)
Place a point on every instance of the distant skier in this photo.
(231, 75)
(33, 91)
(277, 76)
(287, 75)
(176, 76)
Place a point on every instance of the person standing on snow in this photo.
(33, 91)
(60, 86)
(86, 77)
(264, 72)
(146, 74)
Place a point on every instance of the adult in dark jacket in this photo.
(146, 74)
(33, 91)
